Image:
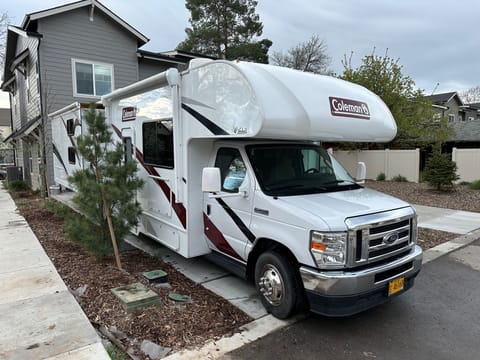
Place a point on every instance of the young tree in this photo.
(310, 56)
(226, 29)
(440, 170)
(105, 190)
(471, 95)
(413, 114)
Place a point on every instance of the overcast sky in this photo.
(437, 41)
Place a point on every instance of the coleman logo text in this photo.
(349, 108)
(129, 113)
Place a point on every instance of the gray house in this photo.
(71, 53)
(463, 118)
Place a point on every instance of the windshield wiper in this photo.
(336, 182)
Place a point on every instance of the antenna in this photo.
(435, 88)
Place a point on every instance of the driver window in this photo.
(232, 169)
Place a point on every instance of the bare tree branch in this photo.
(471, 95)
(309, 56)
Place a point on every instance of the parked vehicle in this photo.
(232, 157)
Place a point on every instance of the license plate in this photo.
(396, 285)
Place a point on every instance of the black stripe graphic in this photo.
(210, 125)
(59, 157)
(243, 228)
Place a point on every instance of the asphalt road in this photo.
(439, 318)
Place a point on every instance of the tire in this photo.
(278, 284)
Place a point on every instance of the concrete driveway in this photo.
(438, 319)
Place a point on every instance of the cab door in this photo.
(227, 217)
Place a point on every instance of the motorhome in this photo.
(234, 169)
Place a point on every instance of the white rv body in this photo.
(346, 247)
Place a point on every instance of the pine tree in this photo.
(226, 29)
(440, 170)
(106, 187)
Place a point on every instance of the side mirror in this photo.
(361, 173)
(211, 180)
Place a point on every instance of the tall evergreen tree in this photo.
(226, 29)
(105, 188)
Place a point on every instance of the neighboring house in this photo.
(463, 118)
(6, 151)
(71, 53)
(5, 123)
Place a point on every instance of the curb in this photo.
(450, 246)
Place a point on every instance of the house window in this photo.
(451, 117)
(158, 143)
(71, 155)
(92, 79)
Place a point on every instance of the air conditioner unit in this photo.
(14, 173)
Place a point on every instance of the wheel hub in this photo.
(271, 285)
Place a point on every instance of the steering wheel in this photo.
(311, 171)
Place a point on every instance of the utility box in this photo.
(14, 173)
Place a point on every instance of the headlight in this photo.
(329, 248)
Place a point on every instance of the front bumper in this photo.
(343, 293)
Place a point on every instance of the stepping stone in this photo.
(136, 296)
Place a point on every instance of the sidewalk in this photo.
(39, 319)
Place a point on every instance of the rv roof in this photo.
(256, 100)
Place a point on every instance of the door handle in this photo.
(208, 209)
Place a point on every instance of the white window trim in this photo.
(451, 118)
(74, 78)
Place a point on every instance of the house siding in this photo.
(147, 68)
(71, 35)
(27, 98)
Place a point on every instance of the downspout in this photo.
(46, 190)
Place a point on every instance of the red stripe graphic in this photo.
(217, 238)
(177, 207)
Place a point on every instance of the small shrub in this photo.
(399, 178)
(381, 177)
(440, 170)
(60, 210)
(18, 185)
(89, 235)
(464, 183)
(475, 185)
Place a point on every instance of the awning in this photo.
(25, 130)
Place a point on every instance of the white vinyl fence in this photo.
(468, 163)
(389, 162)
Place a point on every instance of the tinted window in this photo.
(158, 143)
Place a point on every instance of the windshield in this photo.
(295, 169)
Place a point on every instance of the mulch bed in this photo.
(173, 325)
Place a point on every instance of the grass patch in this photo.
(474, 185)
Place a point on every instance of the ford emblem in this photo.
(390, 238)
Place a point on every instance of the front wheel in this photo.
(278, 284)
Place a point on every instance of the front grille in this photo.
(376, 237)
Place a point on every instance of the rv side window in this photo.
(158, 143)
(232, 169)
(71, 155)
(70, 127)
(128, 148)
